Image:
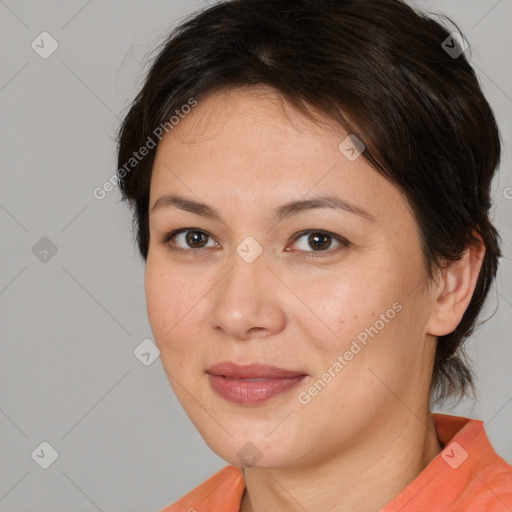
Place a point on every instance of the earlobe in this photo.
(455, 290)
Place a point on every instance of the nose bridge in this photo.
(248, 264)
(244, 298)
(242, 286)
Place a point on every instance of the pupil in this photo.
(314, 239)
(193, 237)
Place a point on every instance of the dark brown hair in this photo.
(378, 68)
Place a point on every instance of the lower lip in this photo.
(244, 392)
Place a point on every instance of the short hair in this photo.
(383, 72)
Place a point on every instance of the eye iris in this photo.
(198, 239)
(315, 240)
(193, 238)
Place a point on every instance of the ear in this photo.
(455, 289)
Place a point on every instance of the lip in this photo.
(251, 371)
(231, 382)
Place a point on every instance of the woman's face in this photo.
(338, 297)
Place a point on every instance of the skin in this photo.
(368, 433)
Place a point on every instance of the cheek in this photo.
(158, 301)
(377, 324)
(172, 306)
(340, 306)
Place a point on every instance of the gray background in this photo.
(70, 324)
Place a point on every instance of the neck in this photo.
(362, 479)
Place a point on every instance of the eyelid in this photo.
(168, 236)
(305, 232)
(343, 242)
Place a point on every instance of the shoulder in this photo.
(485, 478)
(222, 491)
(493, 482)
(471, 468)
(467, 476)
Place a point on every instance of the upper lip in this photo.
(251, 371)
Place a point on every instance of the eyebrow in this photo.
(278, 214)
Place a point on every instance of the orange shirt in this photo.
(467, 476)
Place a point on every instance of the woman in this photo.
(311, 188)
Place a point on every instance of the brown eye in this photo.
(196, 239)
(319, 240)
(315, 243)
(187, 240)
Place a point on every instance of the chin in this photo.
(255, 449)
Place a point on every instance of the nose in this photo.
(246, 302)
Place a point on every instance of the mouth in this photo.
(251, 384)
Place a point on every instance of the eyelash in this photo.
(166, 239)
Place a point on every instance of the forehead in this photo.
(253, 142)
(253, 120)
